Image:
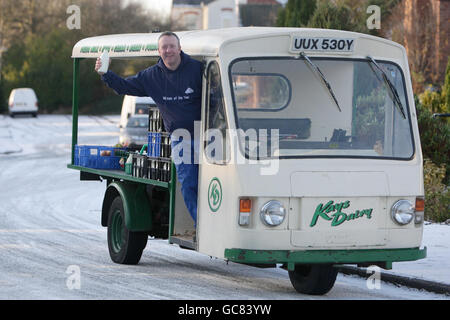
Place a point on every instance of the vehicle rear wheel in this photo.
(125, 246)
(315, 279)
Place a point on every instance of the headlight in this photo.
(272, 213)
(402, 212)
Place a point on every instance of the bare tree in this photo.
(413, 25)
(20, 18)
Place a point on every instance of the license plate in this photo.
(299, 44)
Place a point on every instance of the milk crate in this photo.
(98, 157)
(155, 121)
(164, 169)
(159, 145)
(159, 169)
(140, 166)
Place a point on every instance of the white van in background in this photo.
(21, 101)
(134, 105)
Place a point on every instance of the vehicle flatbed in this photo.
(96, 174)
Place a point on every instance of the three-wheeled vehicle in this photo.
(309, 157)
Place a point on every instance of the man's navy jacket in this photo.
(178, 94)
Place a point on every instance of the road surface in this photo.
(52, 245)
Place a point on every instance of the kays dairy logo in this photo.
(214, 194)
(334, 212)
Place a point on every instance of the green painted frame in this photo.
(291, 258)
(132, 222)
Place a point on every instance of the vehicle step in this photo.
(185, 242)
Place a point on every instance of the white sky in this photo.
(160, 6)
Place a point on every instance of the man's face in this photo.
(169, 50)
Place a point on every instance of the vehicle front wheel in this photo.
(125, 246)
(315, 279)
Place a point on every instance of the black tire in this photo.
(125, 247)
(315, 279)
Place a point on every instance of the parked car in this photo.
(135, 133)
(23, 101)
(134, 105)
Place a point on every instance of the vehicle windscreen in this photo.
(322, 107)
(134, 122)
(142, 108)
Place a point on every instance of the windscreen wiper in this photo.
(396, 97)
(325, 82)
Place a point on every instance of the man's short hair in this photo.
(169, 33)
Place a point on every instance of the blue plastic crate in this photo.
(90, 157)
(159, 145)
(154, 144)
